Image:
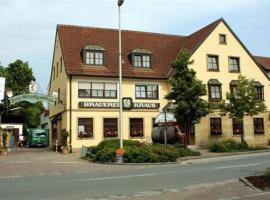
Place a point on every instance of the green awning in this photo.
(141, 51)
(94, 47)
(214, 82)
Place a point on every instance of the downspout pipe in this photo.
(70, 113)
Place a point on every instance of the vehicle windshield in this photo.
(39, 133)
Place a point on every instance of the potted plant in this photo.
(65, 149)
(4, 151)
(119, 155)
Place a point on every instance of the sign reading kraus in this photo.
(135, 105)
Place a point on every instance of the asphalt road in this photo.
(131, 181)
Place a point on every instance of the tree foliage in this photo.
(243, 101)
(18, 76)
(187, 92)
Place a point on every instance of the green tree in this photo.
(187, 92)
(243, 101)
(18, 76)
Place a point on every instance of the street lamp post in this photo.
(120, 2)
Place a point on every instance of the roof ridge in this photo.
(207, 26)
(123, 30)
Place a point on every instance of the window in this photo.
(214, 90)
(258, 126)
(234, 64)
(97, 90)
(53, 72)
(259, 92)
(94, 57)
(141, 61)
(149, 91)
(233, 86)
(136, 127)
(141, 58)
(237, 127)
(110, 127)
(61, 64)
(85, 127)
(57, 69)
(215, 126)
(222, 39)
(58, 96)
(212, 63)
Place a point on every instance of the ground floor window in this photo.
(85, 127)
(110, 127)
(258, 126)
(238, 127)
(215, 126)
(136, 127)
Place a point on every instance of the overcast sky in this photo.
(27, 27)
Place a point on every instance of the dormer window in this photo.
(93, 55)
(141, 58)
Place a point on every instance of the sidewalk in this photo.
(206, 154)
(227, 190)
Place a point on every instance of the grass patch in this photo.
(137, 152)
(232, 146)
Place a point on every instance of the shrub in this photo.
(105, 155)
(115, 144)
(137, 152)
(229, 146)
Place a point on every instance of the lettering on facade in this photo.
(32, 98)
(98, 104)
(135, 105)
(139, 105)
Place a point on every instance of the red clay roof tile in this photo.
(263, 61)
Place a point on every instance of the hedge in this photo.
(231, 146)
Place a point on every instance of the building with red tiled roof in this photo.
(264, 62)
(85, 76)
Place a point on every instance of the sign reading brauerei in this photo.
(135, 105)
(98, 104)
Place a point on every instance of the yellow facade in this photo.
(248, 68)
(67, 111)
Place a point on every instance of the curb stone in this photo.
(249, 184)
(181, 159)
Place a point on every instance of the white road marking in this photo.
(58, 162)
(117, 177)
(234, 166)
(10, 177)
(18, 162)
